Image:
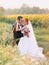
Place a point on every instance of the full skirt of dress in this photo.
(27, 46)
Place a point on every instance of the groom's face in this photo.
(22, 21)
(19, 21)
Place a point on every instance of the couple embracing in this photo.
(25, 39)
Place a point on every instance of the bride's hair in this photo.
(26, 20)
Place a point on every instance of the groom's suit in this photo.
(17, 34)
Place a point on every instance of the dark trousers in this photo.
(17, 35)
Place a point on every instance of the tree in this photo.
(2, 10)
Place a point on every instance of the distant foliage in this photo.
(7, 20)
(41, 20)
(25, 9)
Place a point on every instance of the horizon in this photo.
(18, 3)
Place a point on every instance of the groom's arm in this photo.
(13, 27)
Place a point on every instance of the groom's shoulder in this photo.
(14, 24)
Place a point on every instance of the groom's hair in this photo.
(19, 17)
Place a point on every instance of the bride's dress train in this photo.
(28, 45)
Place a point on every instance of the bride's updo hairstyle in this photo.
(26, 20)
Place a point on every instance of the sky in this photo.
(18, 3)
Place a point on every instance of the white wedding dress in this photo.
(28, 45)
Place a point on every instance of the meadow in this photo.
(9, 55)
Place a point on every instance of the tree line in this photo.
(25, 9)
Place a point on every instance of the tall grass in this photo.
(9, 56)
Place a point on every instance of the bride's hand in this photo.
(26, 32)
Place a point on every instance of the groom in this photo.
(17, 34)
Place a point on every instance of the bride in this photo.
(28, 44)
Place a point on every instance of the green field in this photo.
(41, 34)
(9, 55)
